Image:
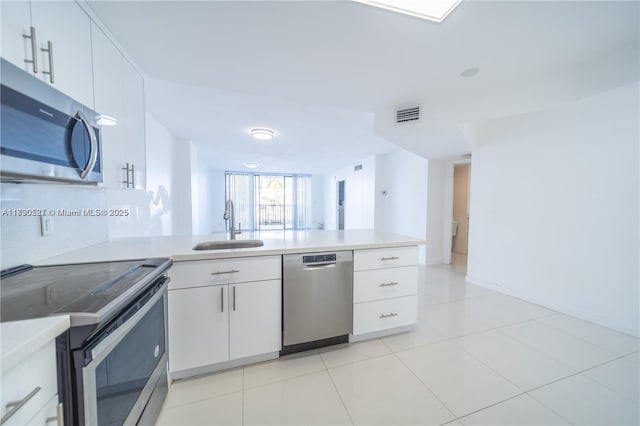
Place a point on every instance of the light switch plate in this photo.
(46, 225)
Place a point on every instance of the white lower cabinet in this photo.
(210, 325)
(254, 318)
(198, 327)
(33, 383)
(223, 310)
(384, 314)
(385, 288)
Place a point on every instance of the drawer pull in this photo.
(390, 258)
(59, 418)
(49, 51)
(233, 271)
(34, 49)
(388, 284)
(14, 406)
(392, 314)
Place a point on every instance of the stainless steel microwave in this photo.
(44, 134)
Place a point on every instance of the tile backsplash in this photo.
(76, 213)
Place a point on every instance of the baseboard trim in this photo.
(208, 369)
(381, 333)
(572, 310)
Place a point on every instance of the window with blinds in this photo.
(269, 201)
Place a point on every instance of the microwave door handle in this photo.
(93, 154)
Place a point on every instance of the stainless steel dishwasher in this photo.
(318, 299)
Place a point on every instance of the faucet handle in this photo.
(225, 216)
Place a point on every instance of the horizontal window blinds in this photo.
(269, 201)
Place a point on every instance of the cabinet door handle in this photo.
(221, 299)
(59, 418)
(34, 49)
(14, 406)
(49, 51)
(234, 297)
(233, 271)
(390, 258)
(388, 284)
(392, 314)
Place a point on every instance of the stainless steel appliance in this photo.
(44, 134)
(318, 299)
(112, 362)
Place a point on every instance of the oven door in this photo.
(126, 365)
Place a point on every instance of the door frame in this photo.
(448, 206)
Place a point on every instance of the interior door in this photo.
(340, 203)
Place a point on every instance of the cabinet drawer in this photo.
(391, 257)
(37, 370)
(200, 273)
(384, 284)
(384, 314)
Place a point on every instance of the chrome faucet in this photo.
(229, 206)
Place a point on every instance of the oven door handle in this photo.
(104, 348)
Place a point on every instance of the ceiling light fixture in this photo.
(106, 120)
(469, 72)
(251, 165)
(262, 134)
(432, 10)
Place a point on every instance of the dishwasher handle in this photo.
(318, 266)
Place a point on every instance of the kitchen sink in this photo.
(228, 244)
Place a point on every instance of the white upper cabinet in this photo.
(64, 48)
(16, 22)
(133, 123)
(108, 91)
(119, 93)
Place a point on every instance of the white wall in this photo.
(317, 202)
(555, 208)
(165, 207)
(435, 218)
(359, 196)
(20, 237)
(207, 196)
(401, 195)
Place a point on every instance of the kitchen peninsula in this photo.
(226, 306)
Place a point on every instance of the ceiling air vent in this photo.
(408, 115)
(357, 168)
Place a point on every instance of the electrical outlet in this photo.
(46, 225)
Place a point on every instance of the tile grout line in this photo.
(336, 388)
(585, 340)
(427, 388)
(243, 402)
(552, 357)
(346, 410)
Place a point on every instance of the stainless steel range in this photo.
(112, 362)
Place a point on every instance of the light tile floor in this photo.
(476, 358)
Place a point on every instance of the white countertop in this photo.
(179, 248)
(22, 338)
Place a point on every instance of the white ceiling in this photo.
(316, 71)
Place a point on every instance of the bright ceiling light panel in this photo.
(262, 134)
(433, 10)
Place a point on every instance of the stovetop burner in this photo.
(86, 290)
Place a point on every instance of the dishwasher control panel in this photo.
(319, 258)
